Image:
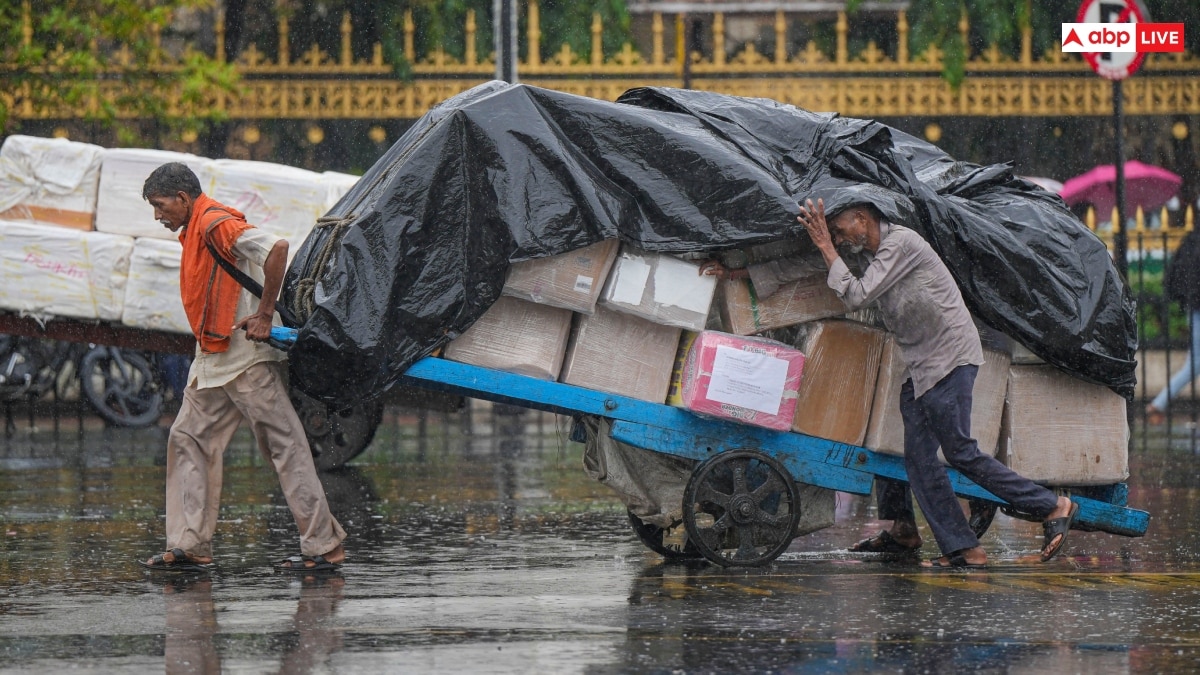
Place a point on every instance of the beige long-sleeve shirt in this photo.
(917, 298)
(215, 370)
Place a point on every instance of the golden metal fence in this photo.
(310, 83)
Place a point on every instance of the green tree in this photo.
(67, 54)
(1000, 22)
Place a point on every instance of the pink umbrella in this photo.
(1146, 186)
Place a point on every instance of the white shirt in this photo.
(215, 370)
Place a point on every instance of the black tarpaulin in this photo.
(419, 249)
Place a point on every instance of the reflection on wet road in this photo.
(482, 547)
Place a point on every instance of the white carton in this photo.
(516, 336)
(336, 186)
(49, 180)
(885, 431)
(283, 200)
(152, 294)
(120, 208)
(659, 288)
(62, 272)
(1063, 431)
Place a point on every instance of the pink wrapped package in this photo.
(745, 379)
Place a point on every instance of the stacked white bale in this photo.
(283, 200)
(660, 289)
(49, 180)
(120, 208)
(53, 271)
(1061, 430)
(336, 184)
(152, 294)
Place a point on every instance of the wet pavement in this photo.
(491, 551)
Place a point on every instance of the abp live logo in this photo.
(1122, 37)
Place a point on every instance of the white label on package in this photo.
(583, 284)
(748, 379)
(630, 284)
(680, 284)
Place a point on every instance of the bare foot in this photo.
(169, 557)
(337, 556)
(1055, 541)
(973, 557)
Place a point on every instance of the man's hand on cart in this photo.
(714, 268)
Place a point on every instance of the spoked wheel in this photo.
(671, 543)
(336, 436)
(121, 386)
(741, 508)
(982, 515)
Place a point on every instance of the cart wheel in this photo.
(982, 514)
(336, 436)
(661, 540)
(741, 508)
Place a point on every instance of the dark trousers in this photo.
(942, 417)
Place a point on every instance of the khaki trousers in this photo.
(196, 445)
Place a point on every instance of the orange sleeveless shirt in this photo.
(210, 295)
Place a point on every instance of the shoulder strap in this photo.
(241, 277)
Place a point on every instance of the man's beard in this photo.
(852, 248)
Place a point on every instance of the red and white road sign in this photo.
(1112, 65)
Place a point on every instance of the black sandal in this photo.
(1054, 528)
(297, 564)
(954, 561)
(179, 563)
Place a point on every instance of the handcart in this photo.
(741, 505)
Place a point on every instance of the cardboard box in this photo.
(517, 337)
(808, 299)
(62, 272)
(120, 208)
(621, 354)
(885, 432)
(571, 281)
(152, 295)
(49, 180)
(841, 366)
(1063, 431)
(659, 288)
(283, 200)
(749, 380)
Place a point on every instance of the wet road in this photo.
(495, 553)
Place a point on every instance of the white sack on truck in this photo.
(54, 271)
(120, 208)
(49, 180)
(336, 184)
(283, 200)
(152, 295)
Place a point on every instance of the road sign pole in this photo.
(1120, 237)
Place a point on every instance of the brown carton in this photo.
(1063, 431)
(571, 281)
(516, 336)
(808, 299)
(839, 380)
(885, 433)
(621, 354)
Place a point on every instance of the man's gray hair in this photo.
(169, 179)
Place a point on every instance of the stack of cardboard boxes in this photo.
(636, 324)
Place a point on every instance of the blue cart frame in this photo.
(674, 431)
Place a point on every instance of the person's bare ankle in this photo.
(975, 556)
(336, 556)
(1061, 510)
(906, 533)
